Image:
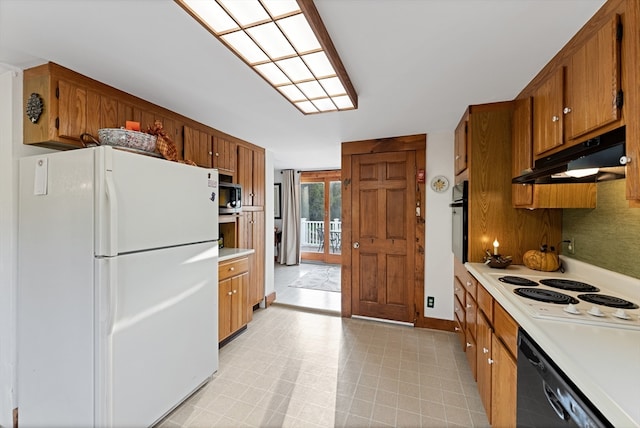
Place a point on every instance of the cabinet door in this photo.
(547, 114)
(224, 308)
(245, 174)
(72, 110)
(461, 141)
(593, 82)
(522, 146)
(258, 178)
(224, 154)
(484, 363)
(251, 228)
(503, 386)
(197, 147)
(239, 288)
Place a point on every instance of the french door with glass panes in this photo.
(320, 208)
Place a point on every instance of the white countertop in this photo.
(603, 362)
(232, 253)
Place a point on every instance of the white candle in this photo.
(496, 244)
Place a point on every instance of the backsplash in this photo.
(607, 236)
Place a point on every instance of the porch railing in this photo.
(313, 231)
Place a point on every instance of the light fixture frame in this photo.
(311, 14)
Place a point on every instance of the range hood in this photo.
(602, 152)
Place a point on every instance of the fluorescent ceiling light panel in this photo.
(273, 74)
(245, 47)
(343, 102)
(271, 40)
(292, 93)
(312, 89)
(285, 42)
(306, 107)
(297, 29)
(295, 69)
(245, 12)
(333, 86)
(319, 64)
(279, 8)
(211, 12)
(324, 104)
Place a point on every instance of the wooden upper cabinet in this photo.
(522, 194)
(593, 82)
(547, 114)
(225, 154)
(581, 96)
(198, 147)
(251, 171)
(461, 143)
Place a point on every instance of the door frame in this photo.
(417, 143)
(322, 177)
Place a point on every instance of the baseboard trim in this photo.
(269, 299)
(438, 324)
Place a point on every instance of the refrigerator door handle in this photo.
(112, 214)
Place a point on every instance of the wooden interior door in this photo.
(383, 232)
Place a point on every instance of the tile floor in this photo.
(294, 368)
(318, 300)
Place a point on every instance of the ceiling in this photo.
(415, 64)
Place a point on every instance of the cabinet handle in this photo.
(490, 361)
(625, 160)
(217, 154)
(457, 157)
(468, 306)
(555, 119)
(566, 110)
(456, 328)
(229, 293)
(485, 350)
(468, 345)
(232, 268)
(210, 153)
(235, 291)
(457, 289)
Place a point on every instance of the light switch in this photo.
(40, 183)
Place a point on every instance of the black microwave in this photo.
(230, 200)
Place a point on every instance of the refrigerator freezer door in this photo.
(161, 325)
(55, 296)
(146, 203)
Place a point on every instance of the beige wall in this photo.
(609, 235)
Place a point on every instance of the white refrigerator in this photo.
(117, 304)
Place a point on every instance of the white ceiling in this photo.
(415, 64)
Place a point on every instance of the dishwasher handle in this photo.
(553, 400)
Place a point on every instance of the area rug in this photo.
(321, 278)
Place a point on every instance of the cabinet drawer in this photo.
(458, 310)
(506, 329)
(470, 315)
(485, 302)
(459, 290)
(234, 267)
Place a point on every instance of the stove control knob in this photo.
(595, 311)
(571, 308)
(620, 313)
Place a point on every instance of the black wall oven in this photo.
(546, 396)
(459, 220)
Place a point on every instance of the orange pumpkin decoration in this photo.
(541, 260)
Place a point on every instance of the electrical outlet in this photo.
(430, 301)
(571, 246)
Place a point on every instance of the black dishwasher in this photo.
(546, 396)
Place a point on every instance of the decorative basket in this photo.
(130, 139)
(497, 261)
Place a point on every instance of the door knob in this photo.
(356, 245)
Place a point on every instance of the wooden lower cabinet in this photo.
(251, 235)
(503, 385)
(488, 335)
(233, 293)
